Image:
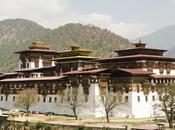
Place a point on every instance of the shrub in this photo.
(48, 127)
(80, 128)
(26, 123)
(39, 125)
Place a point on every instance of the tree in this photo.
(109, 101)
(167, 101)
(156, 108)
(26, 99)
(73, 99)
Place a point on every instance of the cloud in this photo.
(129, 30)
(53, 13)
(46, 12)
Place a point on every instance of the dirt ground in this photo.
(85, 121)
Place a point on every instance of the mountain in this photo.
(18, 34)
(162, 38)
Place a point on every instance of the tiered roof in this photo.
(138, 57)
(140, 48)
(74, 53)
(136, 71)
(40, 47)
(139, 52)
(37, 69)
(91, 71)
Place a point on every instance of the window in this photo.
(168, 71)
(6, 98)
(138, 98)
(55, 100)
(138, 88)
(150, 69)
(21, 66)
(146, 98)
(161, 71)
(153, 98)
(126, 98)
(126, 89)
(13, 98)
(44, 99)
(50, 99)
(27, 65)
(1, 98)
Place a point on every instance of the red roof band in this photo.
(33, 79)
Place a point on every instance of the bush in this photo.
(39, 125)
(48, 127)
(80, 128)
(106, 128)
(26, 123)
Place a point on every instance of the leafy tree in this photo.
(73, 100)
(110, 102)
(167, 102)
(26, 99)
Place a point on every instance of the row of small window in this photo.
(159, 81)
(6, 98)
(138, 98)
(146, 98)
(25, 65)
(119, 99)
(51, 99)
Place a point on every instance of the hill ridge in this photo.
(18, 34)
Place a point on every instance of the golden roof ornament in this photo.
(75, 47)
(39, 45)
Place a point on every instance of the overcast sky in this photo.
(128, 18)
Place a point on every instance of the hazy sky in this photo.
(128, 18)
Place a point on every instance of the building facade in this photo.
(136, 76)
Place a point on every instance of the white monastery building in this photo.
(136, 76)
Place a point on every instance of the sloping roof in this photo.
(140, 48)
(93, 71)
(38, 50)
(139, 56)
(77, 50)
(75, 57)
(33, 79)
(8, 74)
(35, 69)
(136, 71)
(163, 76)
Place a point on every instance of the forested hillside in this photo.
(17, 34)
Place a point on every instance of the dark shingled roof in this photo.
(35, 69)
(37, 50)
(140, 48)
(139, 56)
